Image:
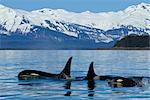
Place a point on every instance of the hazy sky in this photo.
(73, 5)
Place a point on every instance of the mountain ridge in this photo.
(105, 27)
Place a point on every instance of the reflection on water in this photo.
(106, 62)
(95, 89)
(67, 86)
(91, 86)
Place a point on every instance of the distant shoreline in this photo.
(127, 48)
(115, 48)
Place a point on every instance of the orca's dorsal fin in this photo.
(67, 68)
(91, 73)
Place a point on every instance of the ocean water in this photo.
(106, 62)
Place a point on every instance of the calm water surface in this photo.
(106, 62)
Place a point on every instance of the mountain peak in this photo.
(144, 6)
(139, 7)
(43, 10)
(1, 5)
(5, 7)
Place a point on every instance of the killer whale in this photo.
(115, 81)
(35, 74)
(91, 75)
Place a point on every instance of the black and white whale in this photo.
(35, 74)
(115, 81)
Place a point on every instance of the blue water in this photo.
(106, 62)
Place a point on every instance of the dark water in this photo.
(106, 62)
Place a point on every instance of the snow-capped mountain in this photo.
(100, 27)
